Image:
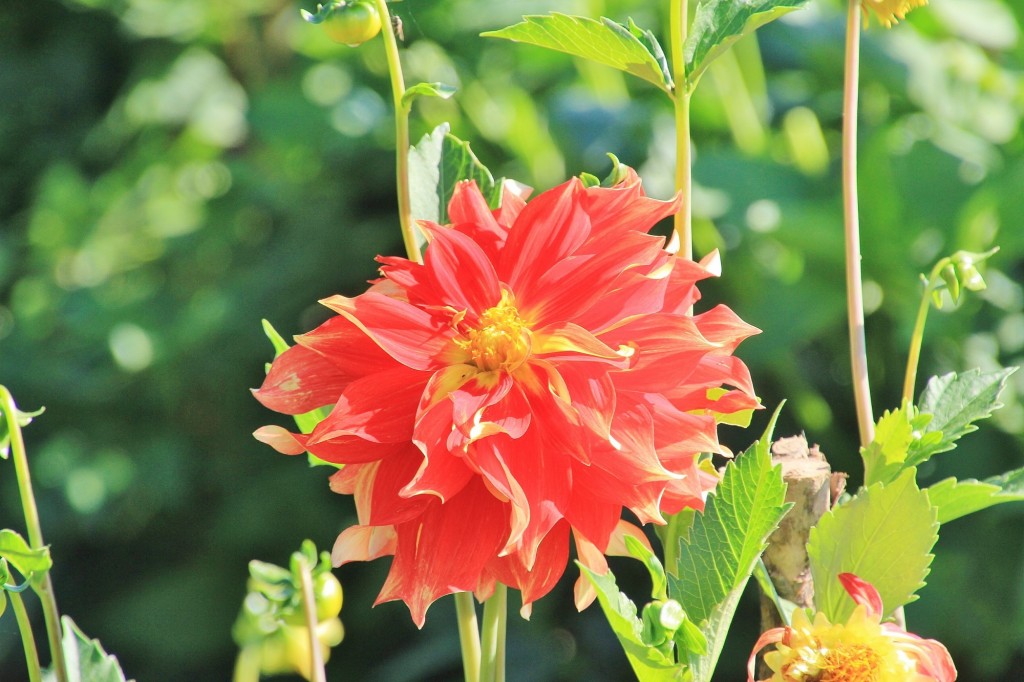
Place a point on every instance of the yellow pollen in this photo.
(851, 663)
(500, 340)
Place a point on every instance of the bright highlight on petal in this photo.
(537, 375)
(863, 649)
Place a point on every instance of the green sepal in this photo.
(955, 499)
(321, 14)
(718, 24)
(884, 535)
(21, 419)
(426, 90)
(659, 581)
(628, 49)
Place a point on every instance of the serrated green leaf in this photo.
(899, 436)
(884, 535)
(31, 563)
(718, 24)
(724, 544)
(86, 659)
(605, 42)
(649, 663)
(955, 499)
(436, 163)
(426, 90)
(955, 402)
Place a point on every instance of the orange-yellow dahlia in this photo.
(539, 372)
(890, 12)
(863, 649)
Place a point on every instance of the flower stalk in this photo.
(683, 220)
(401, 132)
(35, 534)
(492, 664)
(851, 219)
(28, 641)
(469, 635)
(316, 658)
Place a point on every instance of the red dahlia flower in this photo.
(536, 374)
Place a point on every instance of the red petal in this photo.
(772, 636)
(461, 272)
(548, 567)
(363, 543)
(469, 214)
(592, 395)
(445, 549)
(567, 342)
(380, 408)
(668, 349)
(300, 380)
(625, 207)
(347, 347)
(550, 228)
(513, 201)
(863, 593)
(637, 291)
(682, 290)
(441, 473)
(408, 334)
(722, 326)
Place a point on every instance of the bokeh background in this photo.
(172, 171)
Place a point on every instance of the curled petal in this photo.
(773, 636)
(548, 567)
(301, 380)
(378, 408)
(363, 543)
(863, 593)
(281, 439)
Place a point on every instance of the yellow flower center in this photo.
(500, 340)
(890, 11)
(854, 662)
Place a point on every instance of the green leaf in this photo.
(724, 544)
(955, 402)
(955, 499)
(31, 563)
(718, 24)
(884, 535)
(649, 663)
(605, 42)
(637, 550)
(426, 90)
(436, 163)
(898, 434)
(85, 658)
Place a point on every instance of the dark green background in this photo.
(172, 171)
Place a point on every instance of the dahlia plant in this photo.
(535, 368)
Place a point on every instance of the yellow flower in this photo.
(889, 11)
(863, 649)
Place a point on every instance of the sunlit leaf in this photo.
(884, 535)
(900, 435)
(605, 42)
(724, 543)
(436, 163)
(955, 499)
(955, 402)
(720, 23)
(649, 663)
(640, 551)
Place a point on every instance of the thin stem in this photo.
(35, 534)
(917, 337)
(27, 639)
(469, 635)
(316, 658)
(492, 666)
(683, 221)
(412, 248)
(854, 290)
(247, 665)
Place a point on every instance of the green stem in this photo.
(469, 635)
(917, 337)
(683, 221)
(35, 534)
(247, 665)
(854, 290)
(316, 658)
(35, 673)
(412, 248)
(492, 666)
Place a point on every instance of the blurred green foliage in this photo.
(172, 171)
